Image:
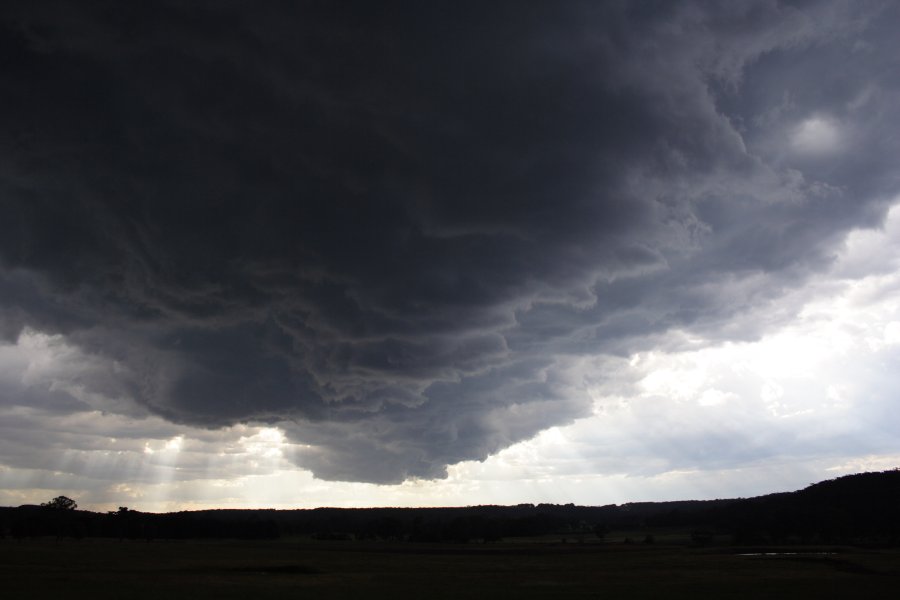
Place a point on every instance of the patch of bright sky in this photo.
(816, 136)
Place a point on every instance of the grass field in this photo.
(100, 569)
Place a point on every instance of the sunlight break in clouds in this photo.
(816, 136)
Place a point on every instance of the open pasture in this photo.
(99, 569)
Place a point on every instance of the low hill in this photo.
(855, 509)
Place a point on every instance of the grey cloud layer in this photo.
(394, 230)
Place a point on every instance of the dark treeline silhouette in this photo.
(856, 509)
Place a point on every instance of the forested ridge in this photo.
(854, 509)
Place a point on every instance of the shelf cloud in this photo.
(409, 235)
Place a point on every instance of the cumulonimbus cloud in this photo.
(395, 231)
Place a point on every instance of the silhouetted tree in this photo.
(61, 503)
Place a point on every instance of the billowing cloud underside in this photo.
(406, 233)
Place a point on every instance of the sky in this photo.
(299, 254)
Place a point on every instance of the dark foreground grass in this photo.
(100, 569)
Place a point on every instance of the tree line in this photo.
(855, 509)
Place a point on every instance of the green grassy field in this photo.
(99, 569)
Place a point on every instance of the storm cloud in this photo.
(403, 232)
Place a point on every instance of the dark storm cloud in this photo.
(394, 228)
